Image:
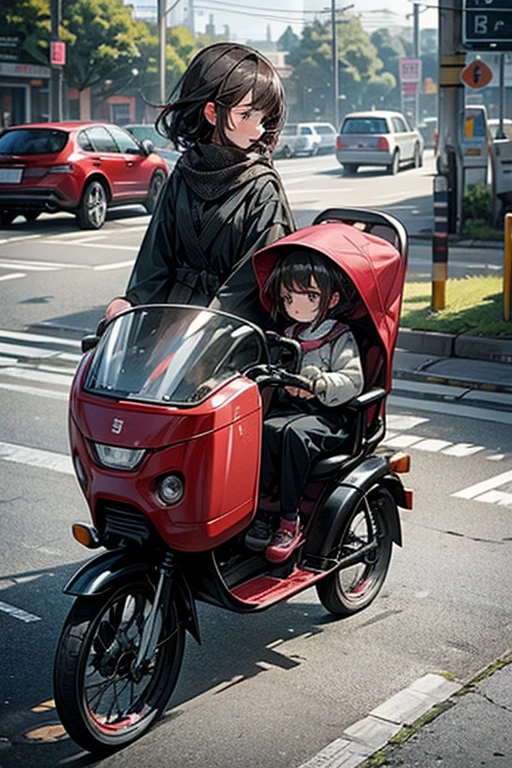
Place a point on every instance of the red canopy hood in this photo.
(376, 268)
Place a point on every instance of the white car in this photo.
(378, 138)
(494, 125)
(305, 139)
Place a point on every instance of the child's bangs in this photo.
(296, 276)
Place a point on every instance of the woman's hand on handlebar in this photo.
(116, 306)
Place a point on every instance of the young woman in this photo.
(312, 295)
(224, 200)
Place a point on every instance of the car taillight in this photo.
(383, 144)
(66, 168)
(339, 143)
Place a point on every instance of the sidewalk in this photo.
(435, 723)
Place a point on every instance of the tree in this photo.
(101, 38)
(28, 20)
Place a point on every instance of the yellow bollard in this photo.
(507, 267)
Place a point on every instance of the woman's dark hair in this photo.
(223, 73)
(295, 271)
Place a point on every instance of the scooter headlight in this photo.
(113, 457)
(171, 488)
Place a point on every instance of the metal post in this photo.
(335, 83)
(507, 267)
(417, 55)
(162, 42)
(440, 243)
(56, 71)
(451, 100)
(501, 130)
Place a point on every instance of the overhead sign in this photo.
(410, 70)
(477, 74)
(487, 25)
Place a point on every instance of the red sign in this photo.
(477, 74)
(409, 89)
(410, 70)
(57, 53)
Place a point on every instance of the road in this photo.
(266, 690)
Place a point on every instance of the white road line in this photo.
(61, 379)
(463, 449)
(115, 265)
(397, 421)
(486, 485)
(17, 613)
(27, 266)
(34, 457)
(56, 264)
(95, 245)
(36, 337)
(496, 497)
(22, 389)
(13, 276)
(7, 240)
(17, 350)
(432, 445)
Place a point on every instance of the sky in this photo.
(249, 19)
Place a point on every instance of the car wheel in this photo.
(155, 187)
(287, 152)
(418, 158)
(314, 151)
(93, 207)
(349, 168)
(7, 218)
(395, 164)
(31, 215)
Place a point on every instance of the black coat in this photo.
(218, 207)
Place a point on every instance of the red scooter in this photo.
(165, 429)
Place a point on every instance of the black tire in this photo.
(7, 218)
(315, 151)
(350, 590)
(31, 215)
(287, 152)
(350, 168)
(395, 164)
(92, 211)
(94, 658)
(155, 187)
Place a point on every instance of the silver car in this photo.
(305, 139)
(378, 138)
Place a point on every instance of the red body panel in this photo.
(216, 446)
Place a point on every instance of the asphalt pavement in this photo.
(439, 722)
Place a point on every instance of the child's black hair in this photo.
(295, 270)
(223, 73)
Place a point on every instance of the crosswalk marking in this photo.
(486, 485)
(13, 276)
(22, 389)
(20, 454)
(27, 266)
(113, 265)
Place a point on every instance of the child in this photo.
(224, 200)
(306, 288)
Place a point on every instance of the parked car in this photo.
(305, 138)
(494, 125)
(83, 168)
(378, 138)
(164, 147)
(428, 129)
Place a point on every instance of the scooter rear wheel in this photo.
(102, 702)
(353, 588)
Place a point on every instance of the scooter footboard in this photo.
(330, 518)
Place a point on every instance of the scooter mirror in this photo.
(89, 342)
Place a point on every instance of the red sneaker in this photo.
(286, 539)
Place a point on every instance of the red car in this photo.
(83, 168)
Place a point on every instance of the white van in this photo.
(305, 139)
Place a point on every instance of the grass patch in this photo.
(474, 307)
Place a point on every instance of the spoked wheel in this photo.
(155, 188)
(92, 211)
(103, 701)
(367, 541)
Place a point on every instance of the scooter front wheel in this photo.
(366, 543)
(104, 700)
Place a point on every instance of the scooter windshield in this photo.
(172, 354)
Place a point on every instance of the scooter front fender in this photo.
(331, 517)
(110, 569)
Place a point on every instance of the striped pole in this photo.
(507, 267)
(440, 243)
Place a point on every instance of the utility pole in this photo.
(56, 70)
(335, 78)
(162, 43)
(416, 55)
(452, 60)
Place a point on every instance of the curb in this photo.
(450, 345)
(362, 739)
(456, 242)
(450, 381)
